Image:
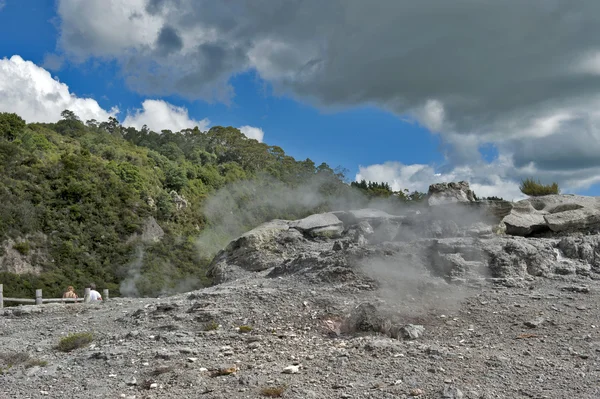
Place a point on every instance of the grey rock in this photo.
(535, 323)
(412, 331)
(445, 193)
(451, 392)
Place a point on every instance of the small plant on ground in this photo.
(36, 363)
(536, 188)
(75, 341)
(245, 329)
(161, 370)
(211, 326)
(273, 392)
(10, 360)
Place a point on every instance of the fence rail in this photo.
(39, 299)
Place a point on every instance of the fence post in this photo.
(1, 296)
(38, 297)
(86, 297)
(105, 294)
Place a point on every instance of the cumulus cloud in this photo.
(252, 132)
(507, 73)
(31, 92)
(160, 115)
(486, 180)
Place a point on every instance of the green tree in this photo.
(10, 125)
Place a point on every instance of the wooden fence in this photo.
(39, 299)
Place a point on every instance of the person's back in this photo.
(70, 293)
(94, 295)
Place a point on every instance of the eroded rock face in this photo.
(554, 213)
(23, 256)
(449, 193)
(456, 241)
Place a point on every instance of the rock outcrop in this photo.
(23, 256)
(456, 240)
(449, 193)
(554, 213)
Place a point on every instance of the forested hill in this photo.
(126, 208)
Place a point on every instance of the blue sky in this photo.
(372, 98)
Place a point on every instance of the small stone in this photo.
(416, 392)
(412, 331)
(451, 392)
(291, 370)
(192, 359)
(132, 381)
(154, 385)
(535, 322)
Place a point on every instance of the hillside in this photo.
(99, 202)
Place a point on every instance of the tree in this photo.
(69, 115)
(10, 125)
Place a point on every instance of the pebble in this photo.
(534, 323)
(416, 392)
(291, 370)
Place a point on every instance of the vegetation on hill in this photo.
(536, 188)
(76, 198)
(383, 190)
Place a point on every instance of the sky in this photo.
(411, 93)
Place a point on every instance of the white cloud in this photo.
(31, 92)
(160, 115)
(253, 132)
(485, 180)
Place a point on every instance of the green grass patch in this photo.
(211, 326)
(75, 341)
(245, 329)
(273, 392)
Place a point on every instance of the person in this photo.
(70, 293)
(94, 295)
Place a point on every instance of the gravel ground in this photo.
(537, 338)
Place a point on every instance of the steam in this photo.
(128, 286)
(243, 205)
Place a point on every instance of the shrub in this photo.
(75, 341)
(13, 359)
(36, 363)
(536, 188)
(245, 329)
(273, 392)
(22, 247)
(211, 326)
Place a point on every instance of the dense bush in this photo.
(536, 188)
(75, 341)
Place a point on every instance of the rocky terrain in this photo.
(459, 299)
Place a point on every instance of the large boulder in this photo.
(258, 249)
(320, 225)
(556, 213)
(449, 193)
(524, 220)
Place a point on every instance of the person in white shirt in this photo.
(94, 295)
